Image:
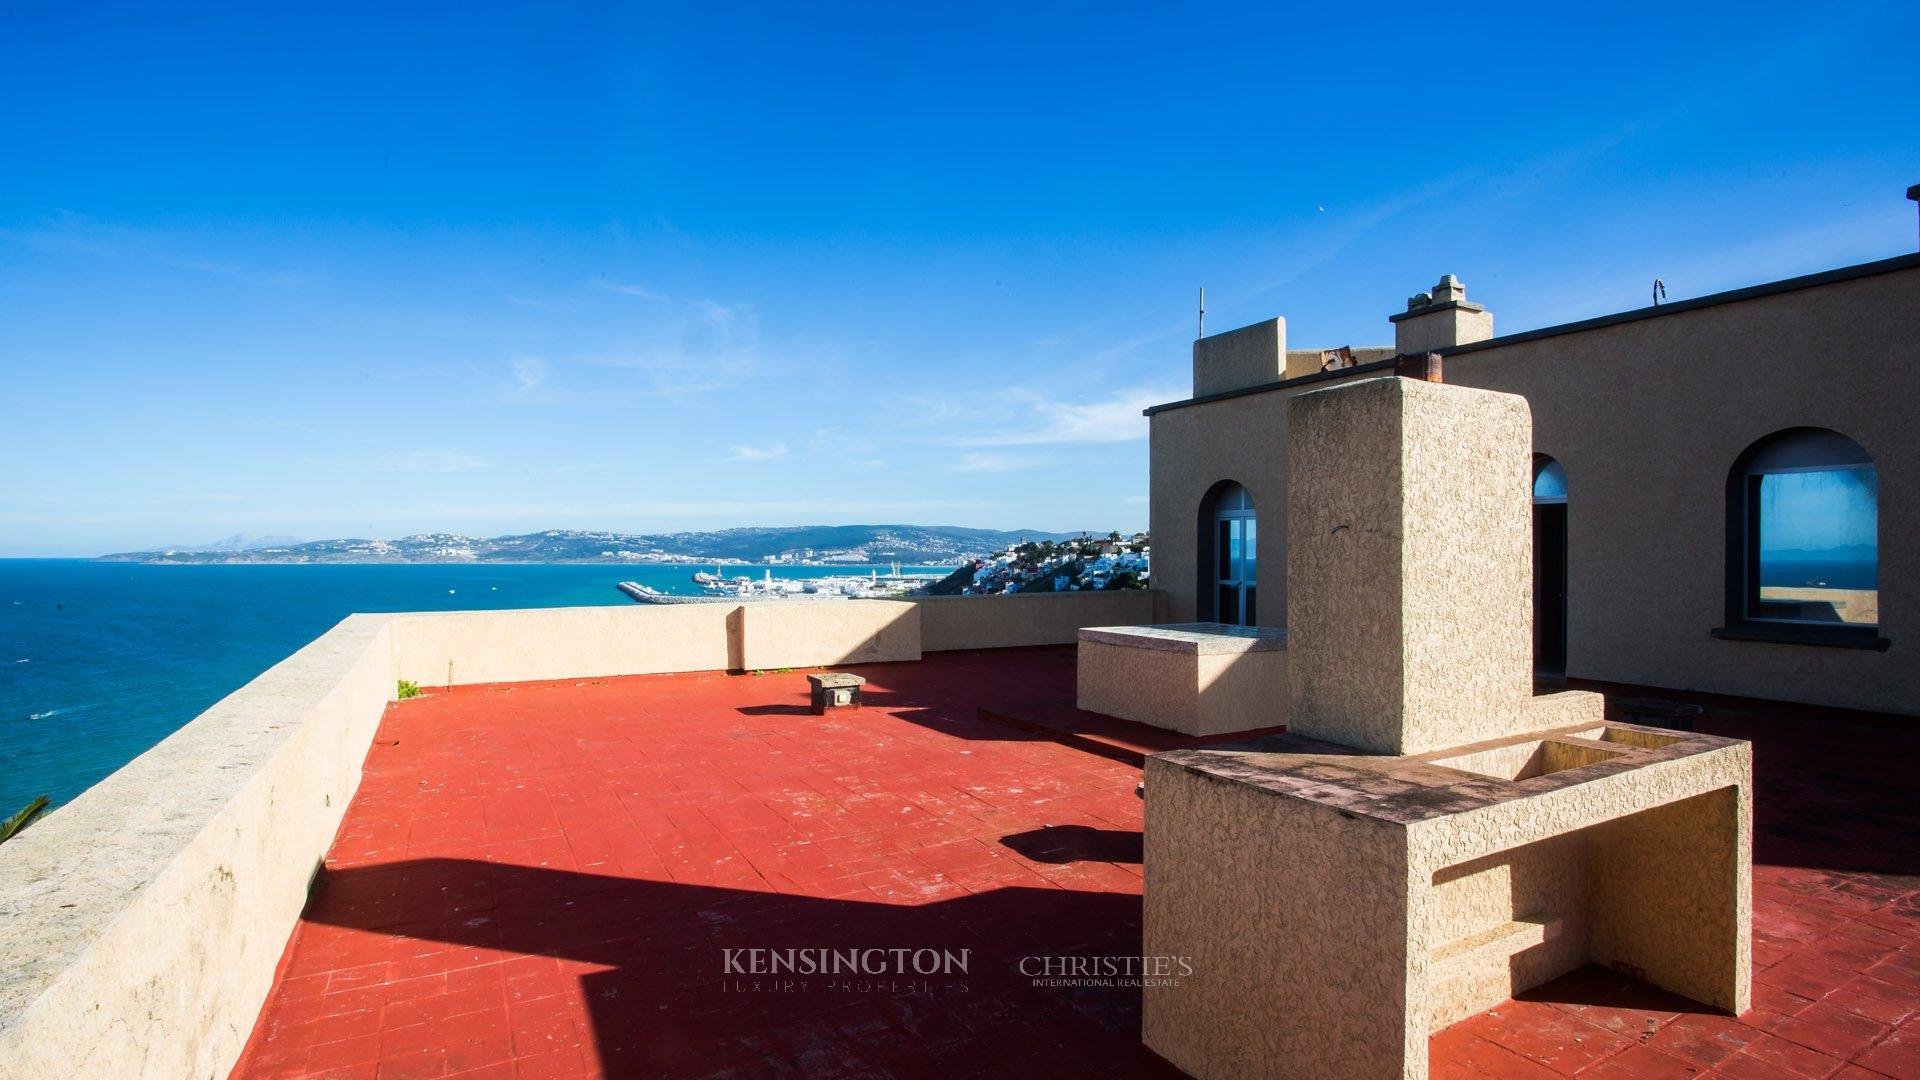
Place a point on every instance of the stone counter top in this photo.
(1406, 790)
(1198, 638)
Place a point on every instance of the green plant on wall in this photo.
(11, 827)
(408, 688)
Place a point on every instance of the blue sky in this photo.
(502, 268)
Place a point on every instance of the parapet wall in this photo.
(801, 634)
(143, 921)
(460, 648)
(467, 647)
(997, 622)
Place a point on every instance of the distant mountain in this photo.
(1842, 553)
(242, 542)
(918, 544)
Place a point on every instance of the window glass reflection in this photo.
(1818, 547)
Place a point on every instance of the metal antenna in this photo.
(1914, 193)
(1203, 311)
(1659, 291)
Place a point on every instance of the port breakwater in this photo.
(641, 594)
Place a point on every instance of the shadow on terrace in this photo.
(650, 961)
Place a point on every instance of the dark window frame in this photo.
(1749, 617)
(1552, 644)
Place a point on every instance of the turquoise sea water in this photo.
(99, 661)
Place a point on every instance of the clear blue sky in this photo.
(341, 271)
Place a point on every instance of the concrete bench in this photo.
(1194, 678)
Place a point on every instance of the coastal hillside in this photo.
(1077, 564)
(921, 545)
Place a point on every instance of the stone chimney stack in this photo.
(1409, 565)
(1440, 319)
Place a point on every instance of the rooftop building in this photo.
(1708, 481)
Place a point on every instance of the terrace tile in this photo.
(542, 880)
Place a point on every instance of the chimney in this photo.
(1236, 359)
(1440, 320)
(1914, 193)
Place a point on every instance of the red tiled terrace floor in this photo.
(541, 880)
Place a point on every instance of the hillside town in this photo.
(1080, 564)
(790, 545)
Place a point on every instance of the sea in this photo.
(99, 661)
(1825, 573)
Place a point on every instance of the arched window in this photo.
(1229, 563)
(1549, 481)
(1803, 540)
(1549, 566)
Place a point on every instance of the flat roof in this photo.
(549, 879)
(1732, 296)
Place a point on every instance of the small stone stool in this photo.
(835, 690)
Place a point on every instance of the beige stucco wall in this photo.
(800, 633)
(1646, 417)
(995, 622)
(641, 639)
(141, 923)
(1248, 356)
(1241, 439)
(562, 643)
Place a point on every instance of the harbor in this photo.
(720, 588)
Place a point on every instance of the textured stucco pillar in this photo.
(1409, 565)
